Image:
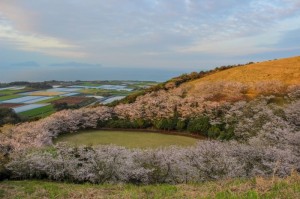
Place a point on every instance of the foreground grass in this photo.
(252, 188)
(126, 139)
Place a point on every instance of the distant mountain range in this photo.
(25, 64)
(74, 64)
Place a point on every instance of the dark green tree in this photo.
(214, 132)
(8, 116)
(199, 125)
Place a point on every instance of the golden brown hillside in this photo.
(286, 71)
(254, 79)
(243, 83)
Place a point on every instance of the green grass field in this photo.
(39, 112)
(238, 189)
(10, 92)
(126, 139)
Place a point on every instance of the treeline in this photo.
(198, 125)
(39, 85)
(35, 85)
(174, 82)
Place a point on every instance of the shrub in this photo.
(8, 116)
(199, 125)
(209, 160)
(4, 174)
(214, 132)
(181, 125)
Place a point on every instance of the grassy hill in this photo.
(266, 77)
(285, 70)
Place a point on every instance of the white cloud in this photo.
(120, 32)
(37, 43)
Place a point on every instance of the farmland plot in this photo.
(10, 105)
(77, 101)
(7, 88)
(47, 93)
(38, 100)
(8, 97)
(69, 94)
(63, 89)
(13, 88)
(95, 96)
(106, 87)
(39, 112)
(115, 87)
(22, 99)
(112, 99)
(42, 93)
(27, 99)
(28, 107)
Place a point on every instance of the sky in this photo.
(140, 39)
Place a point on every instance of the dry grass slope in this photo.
(285, 70)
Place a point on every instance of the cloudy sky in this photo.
(140, 39)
